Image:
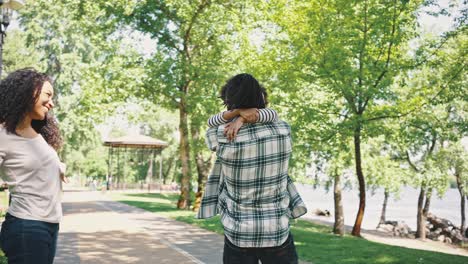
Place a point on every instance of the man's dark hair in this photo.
(19, 91)
(243, 91)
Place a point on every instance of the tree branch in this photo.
(187, 35)
(424, 103)
(360, 107)
(389, 50)
(410, 162)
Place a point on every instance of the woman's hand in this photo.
(231, 129)
(230, 114)
(64, 178)
(62, 169)
(249, 114)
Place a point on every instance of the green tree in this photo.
(93, 71)
(384, 169)
(350, 54)
(424, 135)
(190, 58)
(339, 165)
(435, 114)
(455, 159)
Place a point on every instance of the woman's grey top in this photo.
(32, 169)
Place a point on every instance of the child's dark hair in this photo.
(243, 91)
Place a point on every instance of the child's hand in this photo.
(249, 114)
(231, 129)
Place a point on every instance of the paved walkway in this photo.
(96, 230)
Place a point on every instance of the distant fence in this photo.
(145, 186)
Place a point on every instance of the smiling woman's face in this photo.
(44, 102)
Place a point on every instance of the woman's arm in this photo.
(266, 115)
(222, 118)
(250, 115)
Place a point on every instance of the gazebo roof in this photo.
(135, 141)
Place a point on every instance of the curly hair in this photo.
(19, 91)
(243, 91)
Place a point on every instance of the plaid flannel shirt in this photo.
(250, 187)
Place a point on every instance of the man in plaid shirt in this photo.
(249, 184)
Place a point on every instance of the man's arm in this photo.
(211, 139)
(209, 202)
(297, 207)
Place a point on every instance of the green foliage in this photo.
(330, 67)
(81, 48)
(454, 159)
(436, 111)
(334, 65)
(188, 58)
(346, 57)
(383, 168)
(17, 55)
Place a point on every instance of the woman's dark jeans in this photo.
(284, 254)
(28, 241)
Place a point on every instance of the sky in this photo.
(441, 24)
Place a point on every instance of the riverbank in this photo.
(402, 207)
(385, 238)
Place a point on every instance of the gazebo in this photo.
(144, 146)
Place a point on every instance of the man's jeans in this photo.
(28, 241)
(284, 254)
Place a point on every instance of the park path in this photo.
(97, 230)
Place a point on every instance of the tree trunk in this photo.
(338, 227)
(462, 202)
(184, 151)
(384, 208)
(362, 185)
(203, 166)
(463, 218)
(149, 172)
(421, 220)
(203, 169)
(1, 53)
(168, 170)
(176, 174)
(427, 203)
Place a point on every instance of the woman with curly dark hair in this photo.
(29, 140)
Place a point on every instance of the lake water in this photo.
(404, 209)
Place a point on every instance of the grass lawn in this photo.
(315, 243)
(3, 204)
